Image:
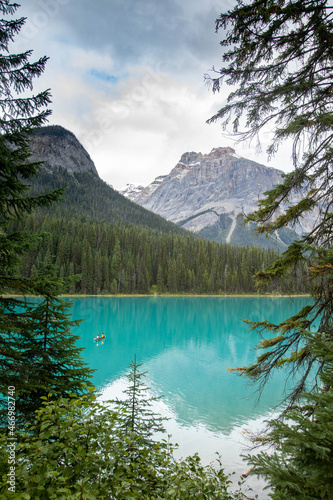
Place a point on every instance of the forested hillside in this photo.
(86, 194)
(130, 259)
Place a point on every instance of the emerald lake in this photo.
(187, 344)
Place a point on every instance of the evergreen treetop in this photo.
(301, 465)
(139, 419)
(19, 116)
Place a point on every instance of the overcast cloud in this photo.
(127, 78)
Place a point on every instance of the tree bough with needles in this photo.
(279, 59)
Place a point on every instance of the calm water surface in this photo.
(187, 344)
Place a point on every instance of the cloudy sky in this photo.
(127, 78)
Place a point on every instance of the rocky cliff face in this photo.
(220, 181)
(205, 193)
(56, 146)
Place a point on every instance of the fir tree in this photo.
(39, 356)
(37, 353)
(19, 116)
(301, 466)
(139, 420)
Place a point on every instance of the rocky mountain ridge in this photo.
(206, 193)
(132, 192)
(58, 147)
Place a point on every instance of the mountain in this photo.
(68, 164)
(207, 193)
(58, 147)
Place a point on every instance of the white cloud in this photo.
(142, 131)
(127, 79)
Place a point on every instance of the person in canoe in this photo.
(102, 337)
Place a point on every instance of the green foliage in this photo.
(76, 448)
(19, 115)
(130, 259)
(94, 232)
(18, 118)
(301, 466)
(38, 349)
(89, 196)
(277, 55)
(279, 61)
(245, 235)
(38, 352)
(139, 420)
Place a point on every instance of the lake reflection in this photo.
(186, 344)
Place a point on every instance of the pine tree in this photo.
(34, 363)
(301, 466)
(39, 356)
(279, 61)
(139, 420)
(160, 279)
(172, 276)
(19, 117)
(116, 260)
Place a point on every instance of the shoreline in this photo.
(186, 295)
(166, 295)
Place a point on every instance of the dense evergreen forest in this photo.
(130, 259)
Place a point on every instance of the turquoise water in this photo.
(186, 344)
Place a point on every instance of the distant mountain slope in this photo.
(206, 193)
(58, 147)
(68, 164)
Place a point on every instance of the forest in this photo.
(128, 259)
